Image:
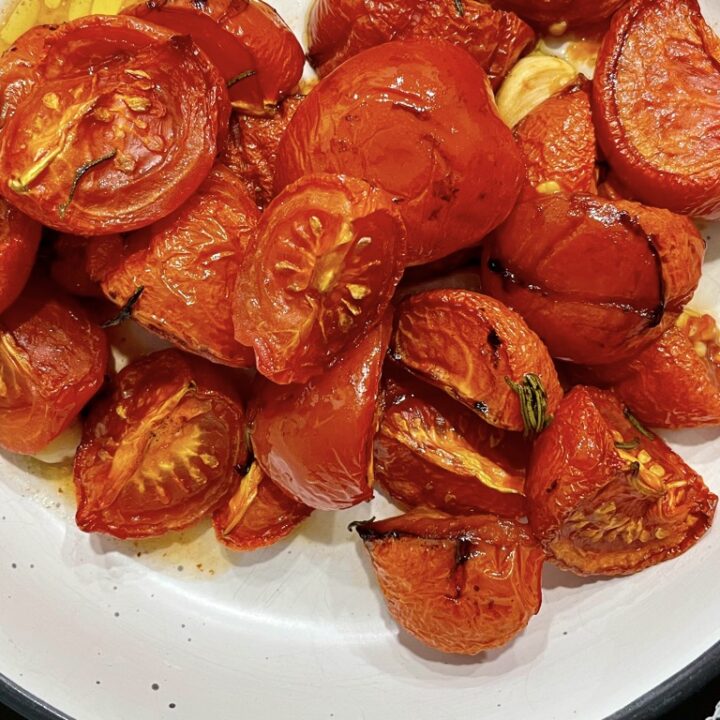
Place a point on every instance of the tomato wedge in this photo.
(567, 13)
(606, 496)
(458, 584)
(159, 449)
(330, 251)
(121, 127)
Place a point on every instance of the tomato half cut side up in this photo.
(19, 241)
(329, 252)
(481, 353)
(315, 441)
(159, 448)
(607, 496)
(258, 515)
(93, 153)
(53, 359)
(458, 584)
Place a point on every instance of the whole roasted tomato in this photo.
(258, 514)
(606, 496)
(570, 13)
(159, 449)
(120, 128)
(583, 273)
(19, 240)
(315, 441)
(329, 253)
(431, 451)
(416, 118)
(458, 584)
(339, 29)
(52, 361)
(657, 112)
(481, 353)
(181, 271)
(69, 266)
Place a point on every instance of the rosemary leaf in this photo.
(80, 174)
(637, 424)
(240, 76)
(460, 7)
(533, 402)
(629, 445)
(126, 310)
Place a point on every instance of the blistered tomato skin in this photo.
(93, 153)
(339, 29)
(606, 496)
(458, 584)
(657, 106)
(186, 265)
(474, 348)
(571, 13)
(416, 118)
(329, 252)
(19, 241)
(53, 359)
(315, 440)
(159, 448)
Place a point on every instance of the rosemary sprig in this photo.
(637, 424)
(629, 445)
(460, 7)
(240, 76)
(80, 174)
(533, 403)
(126, 310)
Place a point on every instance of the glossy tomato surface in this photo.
(159, 448)
(606, 496)
(573, 13)
(19, 240)
(68, 267)
(417, 118)
(458, 584)
(329, 252)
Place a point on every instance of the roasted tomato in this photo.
(466, 278)
(251, 150)
(583, 273)
(416, 118)
(69, 266)
(458, 584)
(181, 271)
(52, 361)
(329, 252)
(657, 105)
(258, 514)
(121, 127)
(19, 240)
(558, 141)
(606, 496)
(481, 353)
(316, 440)
(159, 449)
(339, 29)
(561, 13)
(431, 451)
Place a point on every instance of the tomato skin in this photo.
(69, 266)
(187, 265)
(417, 119)
(19, 241)
(52, 361)
(121, 146)
(458, 584)
(467, 344)
(600, 510)
(339, 29)
(301, 434)
(656, 113)
(576, 13)
(166, 409)
(329, 252)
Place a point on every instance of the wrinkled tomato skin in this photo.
(187, 265)
(53, 359)
(340, 29)
(159, 448)
(576, 13)
(329, 252)
(102, 145)
(558, 141)
(599, 512)
(657, 112)
(19, 241)
(315, 441)
(416, 118)
(584, 274)
(468, 344)
(458, 584)
(69, 266)
(430, 451)
(252, 145)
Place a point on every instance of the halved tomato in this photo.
(19, 241)
(606, 496)
(160, 448)
(329, 253)
(52, 361)
(458, 584)
(564, 13)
